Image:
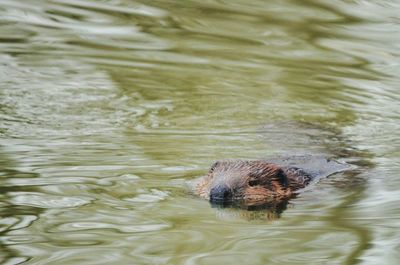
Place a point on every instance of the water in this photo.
(108, 107)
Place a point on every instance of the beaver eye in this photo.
(253, 182)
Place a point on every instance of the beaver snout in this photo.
(220, 193)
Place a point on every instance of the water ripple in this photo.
(87, 226)
(47, 201)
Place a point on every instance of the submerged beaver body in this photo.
(260, 182)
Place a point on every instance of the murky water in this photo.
(108, 107)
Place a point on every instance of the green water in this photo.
(108, 107)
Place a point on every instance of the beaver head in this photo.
(248, 182)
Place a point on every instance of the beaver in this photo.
(258, 182)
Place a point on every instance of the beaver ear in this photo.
(213, 166)
(282, 178)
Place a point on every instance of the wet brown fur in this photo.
(253, 182)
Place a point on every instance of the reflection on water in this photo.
(108, 107)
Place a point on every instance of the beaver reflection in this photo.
(262, 185)
(268, 210)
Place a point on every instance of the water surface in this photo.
(108, 107)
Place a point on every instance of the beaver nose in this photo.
(220, 193)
